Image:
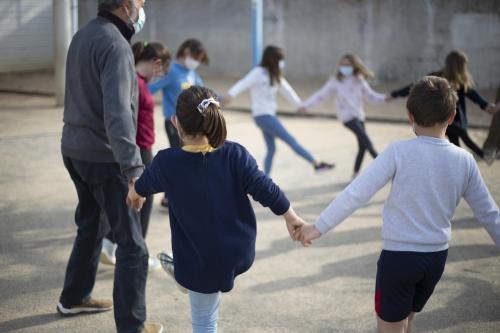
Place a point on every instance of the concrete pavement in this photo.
(325, 288)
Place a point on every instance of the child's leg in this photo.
(452, 134)
(410, 322)
(271, 149)
(464, 135)
(364, 143)
(367, 142)
(403, 326)
(274, 127)
(391, 327)
(402, 292)
(204, 311)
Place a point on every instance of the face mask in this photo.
(281, 64)
(141, 20)
(346, 70)
(191, 63)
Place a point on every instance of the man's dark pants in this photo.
(101, 187)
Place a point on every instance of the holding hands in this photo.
(306, 234)
(134, 200)
(491, 108)
(293, 222)
(299, 230)
(225, 100)
(302, 110)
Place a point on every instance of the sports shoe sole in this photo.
(105, 259)
(167, 265)
(80, 310)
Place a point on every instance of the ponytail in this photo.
(145, 51)
(199, 113)
(214, 126)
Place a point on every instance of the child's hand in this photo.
(302, 110)
(134, 200)
(388, 98)
(226, 100)
(293, 222)
(491, 109)
(307, 234)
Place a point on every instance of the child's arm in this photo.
(160, 84)
(482, 204)
(289, 93)
(246, 82)
(323, 93)
(134, 200)
(402, 92)
(372, 96)
(151, 181)
(474, 96)
(265, 191)
(356, 195)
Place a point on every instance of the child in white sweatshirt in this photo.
(264, 81)
(429, 176)
(350, 87)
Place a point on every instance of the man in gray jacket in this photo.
(100, 154)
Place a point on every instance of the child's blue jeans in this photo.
(272, 128)
(204, 311)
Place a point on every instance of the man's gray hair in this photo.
(110, 4)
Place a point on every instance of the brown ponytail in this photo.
(210, 122)
(145, 51)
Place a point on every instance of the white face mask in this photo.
(281, 64)
(191, 63)
(141, 20)
(346, 70)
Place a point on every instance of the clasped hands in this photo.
(134, 200)
(299, 230)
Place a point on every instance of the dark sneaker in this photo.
(323, 166)
(152, 328)
(167, 262)
(92, 306)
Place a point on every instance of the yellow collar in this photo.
(203, 148)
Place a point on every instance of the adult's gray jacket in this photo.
(101, 99)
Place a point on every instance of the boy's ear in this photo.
(452, 117)
(410, 117)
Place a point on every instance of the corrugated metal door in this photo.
(25, 35)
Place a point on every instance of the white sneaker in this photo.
(108, 252)
(167, 262)
(153, 264)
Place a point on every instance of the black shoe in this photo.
(323, 166)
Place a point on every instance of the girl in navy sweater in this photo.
(212, 220)
(455, 70)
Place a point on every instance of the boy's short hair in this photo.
(432, 101)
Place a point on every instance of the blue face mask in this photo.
(346, 70)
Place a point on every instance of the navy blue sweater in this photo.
(212, 221)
